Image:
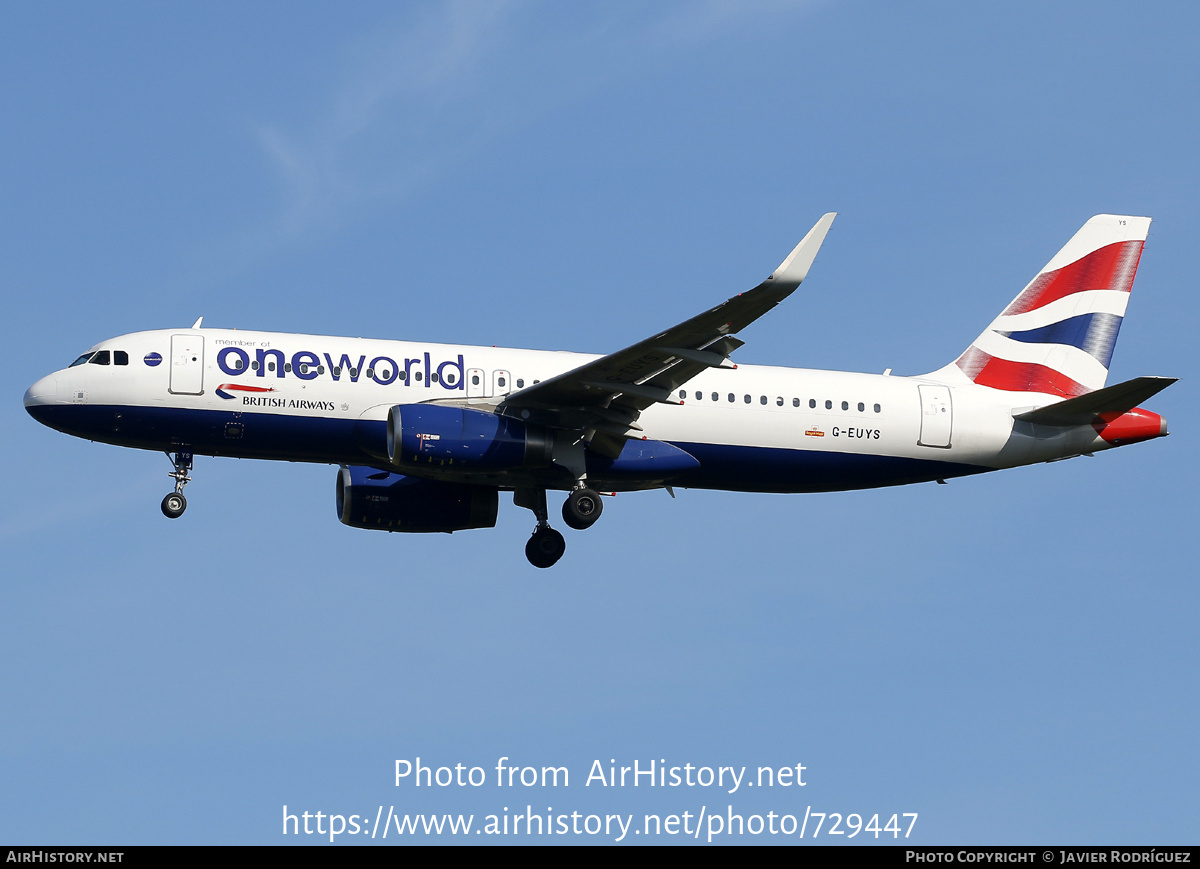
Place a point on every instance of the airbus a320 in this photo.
(428, 435)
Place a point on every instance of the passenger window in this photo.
(845, 405)
(370, 374)
(353, 371)
(812, 402)
(418, 376)
(861, 407)
(287, 366)
(254, 367)
(501, 382)
(795, 402)
(120, 357)
(877, 408)
(716, 396)
(762, 399)
(385, 374)
(270, 366)
(320, 369)
(100, 357)
(828, 404)
(682, 394)
(520, 381)
(747, 399)
(779, 401)
(433, 378)
(699, 395)
(731, 396)
(474, 379)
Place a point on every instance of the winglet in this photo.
(795, 268)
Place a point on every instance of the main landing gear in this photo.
(581, 509)
(545, 547)
(174, 503)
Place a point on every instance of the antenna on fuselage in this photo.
(196, 325)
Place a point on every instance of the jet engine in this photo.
(419, 435)
(370, 498)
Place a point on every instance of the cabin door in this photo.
(187, 365)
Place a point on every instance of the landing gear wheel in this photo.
(173, 505)
(545, 547)
(581, 509)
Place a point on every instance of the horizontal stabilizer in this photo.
(1121, 398)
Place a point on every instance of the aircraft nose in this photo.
(41, 394)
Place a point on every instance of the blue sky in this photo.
(1011, 656)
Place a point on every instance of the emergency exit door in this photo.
(937, 416)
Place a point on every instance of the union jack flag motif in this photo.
(225, 389)
(1057, 336)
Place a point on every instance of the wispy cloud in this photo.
(383, 129)
(418, 95)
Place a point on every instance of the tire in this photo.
(173, 505)
(582, 508)
(545, 547)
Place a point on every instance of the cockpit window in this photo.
(120, 357)
(100, 357)
(82, 359)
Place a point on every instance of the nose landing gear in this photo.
(174, 503)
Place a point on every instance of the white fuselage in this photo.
(324, 399)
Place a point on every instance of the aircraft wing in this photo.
(607, 395)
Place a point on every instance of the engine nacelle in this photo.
(369, 498)
(419, 435)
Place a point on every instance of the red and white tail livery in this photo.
(1057, 336)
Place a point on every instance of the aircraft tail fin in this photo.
(1057, 336)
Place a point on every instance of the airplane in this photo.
(427, 435)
